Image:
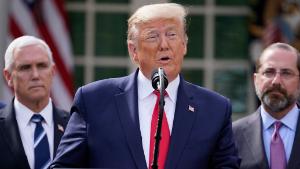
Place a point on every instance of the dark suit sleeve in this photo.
(225, 154)
(72, 150)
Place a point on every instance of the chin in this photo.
(39, 96)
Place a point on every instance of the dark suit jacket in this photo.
(12, 153)
(104, 131)
(2, 105)
(249, 140)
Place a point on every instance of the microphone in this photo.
(160, 83)
(159, 79)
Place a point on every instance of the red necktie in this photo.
(165, 136)
(277, 158)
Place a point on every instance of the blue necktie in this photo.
(41, 146)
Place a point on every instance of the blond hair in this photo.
(151, 12)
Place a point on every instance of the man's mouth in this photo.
(165, 58)
(275, 93)
(36, 86)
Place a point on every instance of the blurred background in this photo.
(88, 39)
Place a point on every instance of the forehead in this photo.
(161, 24)
(30, 53)
(279, 58)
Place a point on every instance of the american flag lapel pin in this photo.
(60, 128)
(191, 108)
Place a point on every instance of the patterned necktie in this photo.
(41, 146)
(165, 136)
(277, 157)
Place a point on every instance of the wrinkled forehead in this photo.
(29, 48)
(31, 52)
(278, 58)
(172, 23)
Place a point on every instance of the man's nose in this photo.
(277, 79)
(35, 72)
(164, 43)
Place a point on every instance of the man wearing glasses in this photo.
(270, 138)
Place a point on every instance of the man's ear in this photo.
(8, 78)
(53, 70)
(132, 51)
(185, 48)
(184, 43)
(254, 77)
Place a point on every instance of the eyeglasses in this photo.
(284, 73)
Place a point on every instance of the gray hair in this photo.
(154, 11)
(22, 42)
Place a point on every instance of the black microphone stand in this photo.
(159, 123)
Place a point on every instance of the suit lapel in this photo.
(9, 128)
(128, 112)
(255, 143)
(182, 125)
(294, 161)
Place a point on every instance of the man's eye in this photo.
(43, 65)
(151, 37)
(269, 73)
(24, 67)
(286, 73)
(171, 35)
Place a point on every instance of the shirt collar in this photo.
(24, 114)
(289, 120)
(145, 87)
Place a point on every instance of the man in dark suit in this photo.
(111, 126)
(270, 137)
(24, 142)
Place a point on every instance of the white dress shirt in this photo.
(146, 102)
(287, 130)
(26, 128)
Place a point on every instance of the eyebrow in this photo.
(281, 69)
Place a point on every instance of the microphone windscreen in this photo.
(155, 78)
